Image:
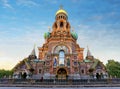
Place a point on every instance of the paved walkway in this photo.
(52, 86)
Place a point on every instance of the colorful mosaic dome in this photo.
(46, 35)
(74, 35)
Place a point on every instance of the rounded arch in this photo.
(60, 16)
(57, 48)
(68, 25)
(61, 68)
(61, 24)
(54, 25)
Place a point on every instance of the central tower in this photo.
(61, 52)
(61, 26)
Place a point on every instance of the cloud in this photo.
(52, 1)
(14, 48)
(83, 26)
(28, 3)
(6, 4)
(111, 14)
(42, 23)
(94, 18)
(76, 1)
(113, 2)
(7, 62)
(102, 39)
(97, 17)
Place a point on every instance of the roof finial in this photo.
(72, 29)
(88, 52)
(87, 47)
(34, 45)
(61, 6)
(49, 29)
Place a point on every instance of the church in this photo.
(60, 57)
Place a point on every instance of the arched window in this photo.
(61, 24)
(61, 57)
(40, 71)
(59, 17)
(58, 48)
(82, 71)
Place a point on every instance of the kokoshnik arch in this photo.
(60, 56)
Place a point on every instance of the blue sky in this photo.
(23, 23)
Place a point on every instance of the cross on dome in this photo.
(61, 10)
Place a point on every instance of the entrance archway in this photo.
(62, 73)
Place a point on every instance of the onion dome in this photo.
(61, 11)
(46, 35)
(74, 35)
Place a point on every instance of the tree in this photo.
(113, 68)
(6, 73)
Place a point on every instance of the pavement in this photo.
(59, 86)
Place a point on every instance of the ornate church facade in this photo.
(60, 56)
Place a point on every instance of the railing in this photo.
(60, 82)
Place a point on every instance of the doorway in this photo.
(62, 73)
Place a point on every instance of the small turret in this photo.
(89, 55)
(32, 55)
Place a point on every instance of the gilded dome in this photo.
(74, 35)
(61, 11)
(46, 35)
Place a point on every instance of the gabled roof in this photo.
(96, 61)
(27, 64)
(23, 62)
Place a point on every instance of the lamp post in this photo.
(36, 61)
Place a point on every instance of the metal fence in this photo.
(60, 82)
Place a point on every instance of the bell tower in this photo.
(61, 24)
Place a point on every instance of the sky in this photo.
(24, 22)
